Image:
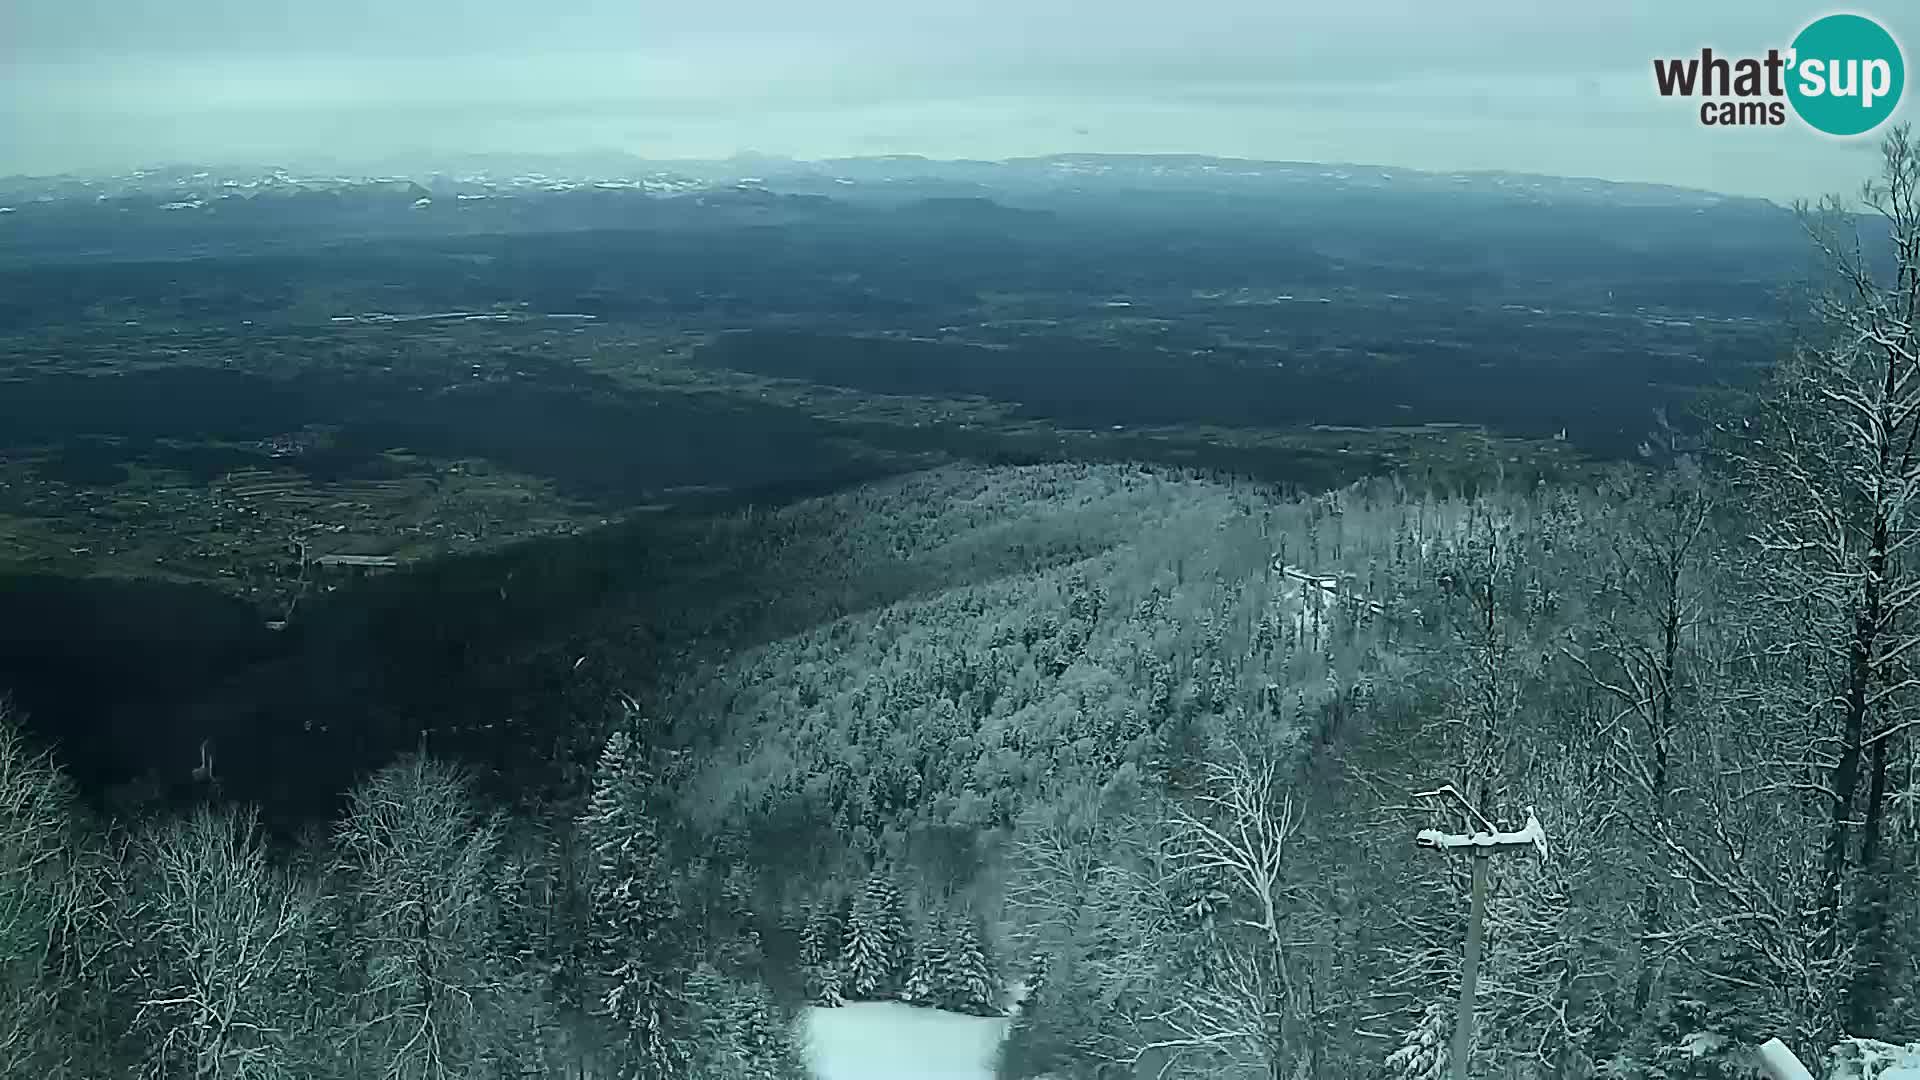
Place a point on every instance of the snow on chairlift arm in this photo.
(1532, 835)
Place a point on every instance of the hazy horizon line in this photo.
(366, 168)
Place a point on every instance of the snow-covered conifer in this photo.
(820, 966)
(826, 985)
(1422, 1054)
(640, 957)
(876, 946)
(819, 935)
(738, 1032)
(927, 974)
(969, 982)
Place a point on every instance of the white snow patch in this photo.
(1703, 1044)
(1869, 1059)
(885, 1040)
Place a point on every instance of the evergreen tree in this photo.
(740, 1034)
(826, 985)
(532, 952)
(862, 953)
(968, 982)
(1423, 1052)
(1030, 1045)
(927, 975)
(1698, 1031)
(819, 936)
(1064, 1014)
(639, 949)
(820, 956)
(876, 946)
(741, 945)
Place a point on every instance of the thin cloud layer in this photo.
(100, 84)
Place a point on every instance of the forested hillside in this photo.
(1142, 770)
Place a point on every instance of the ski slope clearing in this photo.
(885, 1040)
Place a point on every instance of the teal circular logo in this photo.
(1847, 74)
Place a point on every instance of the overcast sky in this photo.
(1468, 84)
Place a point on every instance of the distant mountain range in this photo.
(1083, 200)
(482, 176)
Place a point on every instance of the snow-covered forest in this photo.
(1152, 748)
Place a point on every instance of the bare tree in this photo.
(1056, 859)
(1483, 662)
(1742, 848)
(219, 926)
(1830, 462)
(1251, 1004)
(1640, 647)
(37, 895)
(1090, 920)
(418, 862)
